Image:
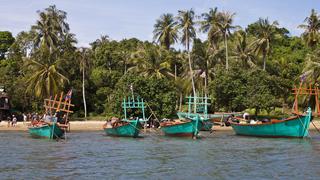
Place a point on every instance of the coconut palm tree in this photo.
(151, 61)
(209, 25)
(312, 29)
(164, 31)
(244, 52)
(186, 25)
(50, 28)
(311, 70)
(45, 80)
(225, 20)
(265, 34)
(98, 42)
(84, 60)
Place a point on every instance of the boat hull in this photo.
(132, 129)
(207, 123)
(191, 128)
(297, 127)
(46, 131)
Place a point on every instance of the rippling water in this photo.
(88, 155)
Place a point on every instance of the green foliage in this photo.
(45, 58)
(159, 94)
(6, 40)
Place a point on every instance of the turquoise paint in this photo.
(47, 131)
(130, 130)
(298, 127)
(193, 127)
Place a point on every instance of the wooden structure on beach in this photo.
(306, 90)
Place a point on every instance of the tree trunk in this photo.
(191, 72)
(84, 95)
(264, 61)
(175, 71)
(180, 104)
(226, 45)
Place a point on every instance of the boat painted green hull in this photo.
(191, 128)
(207, 123)
(289, 128)
(46, 131)
(129, 130)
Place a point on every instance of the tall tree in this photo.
(311, 34)
(265, 34)
(244, 51)
(164, 31)
(225, 20)
(50, 28)
(209, 25)
(52, 42)
(84, 58)
(186, 25)
(150, 61)
(45, 79)
(311, 70)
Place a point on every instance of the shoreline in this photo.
(76, 126)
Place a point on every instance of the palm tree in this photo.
(45, 80)
(209, 25)
(311, 69)
(225, 20)
(265, 33)
(84, 58)
(151, 61)
(243, 50)
(50, 28)
(186, 25)
(98, 42)
(46, 35)
(164, 31)
(312, 29)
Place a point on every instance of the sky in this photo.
(123, 19)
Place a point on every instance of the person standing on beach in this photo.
(24, 118)
(14, 120)
(9, 120)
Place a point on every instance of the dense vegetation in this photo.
(239, 67)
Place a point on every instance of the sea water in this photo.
(221, 155)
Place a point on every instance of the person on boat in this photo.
(114, 121)
(246, 116)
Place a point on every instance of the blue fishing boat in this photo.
(50, 131)
(127, 127)
(296, 126)
(201, 109)
(53, 126)
(188, 124)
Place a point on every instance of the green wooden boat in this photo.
(52, 131)
(296, 126)
(130, 129)
(189, 128)
(201, 104)
(49, 127)
(127, 127)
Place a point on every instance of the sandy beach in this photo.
(97, 126)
